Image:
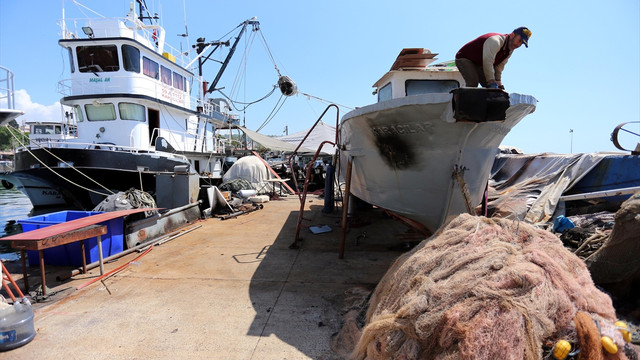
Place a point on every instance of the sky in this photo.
(582, 63)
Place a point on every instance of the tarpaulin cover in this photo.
(251, 169)
(273, 143)
(321, 132)
(529, 186)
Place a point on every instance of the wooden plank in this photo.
(59, 239)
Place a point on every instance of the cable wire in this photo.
(58, 158)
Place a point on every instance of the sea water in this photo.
(14, 206)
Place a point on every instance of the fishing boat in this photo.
(143, 115)
(424, 151)
(41, 133)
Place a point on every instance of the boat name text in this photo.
(401, 129)
(98, 80)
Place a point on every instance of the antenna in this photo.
(571, 148)
(186, 30)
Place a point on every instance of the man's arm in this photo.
(489, 51)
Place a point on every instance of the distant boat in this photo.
(8, 111)
(424, 151)
(136, 123)
(6, 162)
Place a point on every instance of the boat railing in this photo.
(188, 141)
(74, 28)
(145, 86)
(7, 100)
(95, 146)
(129, 84)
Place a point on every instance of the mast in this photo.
(255, 24)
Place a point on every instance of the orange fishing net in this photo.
(483, 289)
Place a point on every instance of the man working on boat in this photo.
(483, 59)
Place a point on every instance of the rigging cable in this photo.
(234, 102)
(269, 117)
(264, 42)
(53, 171)
(325, 101)
(272, 115)
(242, 67)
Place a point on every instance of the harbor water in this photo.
(14, 206)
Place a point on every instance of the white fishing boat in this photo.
(424, 151)
(41, 133)
(143, 115)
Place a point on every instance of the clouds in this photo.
(34, 111)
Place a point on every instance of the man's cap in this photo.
(524, 33)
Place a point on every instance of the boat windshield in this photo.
(46, 129)
(415, 87)
(100, 58)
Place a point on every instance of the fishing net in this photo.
(125, 200)
(484, 289)
(618, 258)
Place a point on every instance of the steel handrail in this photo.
(303, 196)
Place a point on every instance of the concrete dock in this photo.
(228, 289)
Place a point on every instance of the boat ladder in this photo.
(303, 195)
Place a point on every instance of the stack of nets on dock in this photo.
(619, 257)
(486, 289)
(589, 233)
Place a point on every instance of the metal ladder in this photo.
(303, 195)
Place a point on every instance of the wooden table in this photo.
(273, 183)
(42, 243)
(64, 233)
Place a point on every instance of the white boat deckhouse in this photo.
(130, 95)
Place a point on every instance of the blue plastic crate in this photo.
(70, 254)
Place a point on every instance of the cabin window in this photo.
(43, 129)
(100, 112)
(384, 93)
(72, 63)
(150, 68)
(79, 116)
(131, 58)
(165, 75)
(93, 59)
(178, 81)
(415, 87)
(130, 111)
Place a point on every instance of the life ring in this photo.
(7, 185)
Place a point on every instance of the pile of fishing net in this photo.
(488, 289)
(126, 200)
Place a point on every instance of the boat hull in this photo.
(49, 182)
(410, 156)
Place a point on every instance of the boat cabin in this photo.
(51, 131)
(114, 58)
(413, 74)
(129, 88)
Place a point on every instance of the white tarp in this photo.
(321, 132)
(272, 143)
(252, 169)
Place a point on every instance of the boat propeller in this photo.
(287, 86)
